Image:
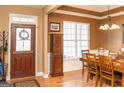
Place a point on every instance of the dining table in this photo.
(118, 66)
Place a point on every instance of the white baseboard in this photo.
(7, 78)
(46, 75)
(42, 74)
(39, 74)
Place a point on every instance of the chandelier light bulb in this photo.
(101, 27)
(106, 26)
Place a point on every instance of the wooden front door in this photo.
(22, 50)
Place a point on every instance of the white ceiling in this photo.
(97, 8)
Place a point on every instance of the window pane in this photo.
(73, 37)
(78, 43)
(19, 45)
(84, 32)
(78, 32)
(23, 39)
(78, 26)
(84, 43)
(84, 37)
(27, 45)
(84, 48)
(17, 33)
(65, 43)
(73, 31)
(78, 37)
(84, 26)
(65, 37)
(68, 31)
(79, 51)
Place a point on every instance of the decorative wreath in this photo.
(24, 37)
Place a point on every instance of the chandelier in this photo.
(109, 25)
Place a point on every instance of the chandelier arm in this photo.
(109, 17)
(108, 10)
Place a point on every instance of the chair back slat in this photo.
(84, 52)
(106, 65)
(91, 59)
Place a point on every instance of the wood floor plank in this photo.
(70, 79)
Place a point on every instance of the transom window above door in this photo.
(76, 38)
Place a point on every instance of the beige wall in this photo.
(94, 31)
(4, 25)
(112, 39)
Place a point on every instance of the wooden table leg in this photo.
(122, 79)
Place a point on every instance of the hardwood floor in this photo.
(70, 79)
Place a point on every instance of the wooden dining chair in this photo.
(84, 63)
(106, 69)
(92, 67)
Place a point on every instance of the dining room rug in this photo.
(27, 83)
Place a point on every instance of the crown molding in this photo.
(78, 10)
(76, 14)
(88, 15)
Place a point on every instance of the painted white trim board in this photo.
(42, 74)
(39, 74)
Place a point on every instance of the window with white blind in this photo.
(76, 38)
